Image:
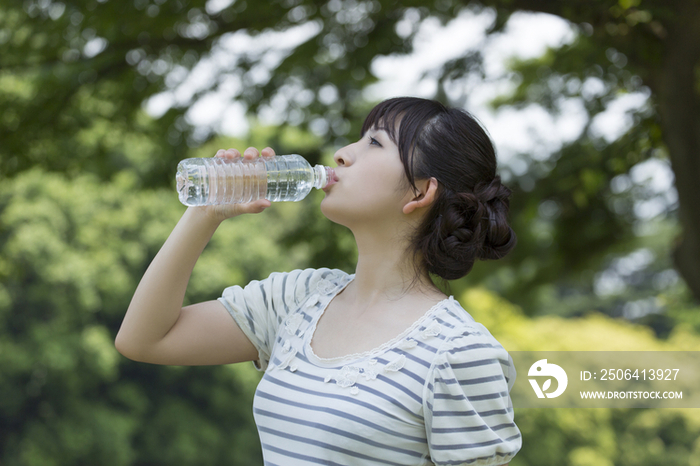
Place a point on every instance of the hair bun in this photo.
(471, 226)
(494, 190)
(500, 238)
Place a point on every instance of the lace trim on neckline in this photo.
(375, 351)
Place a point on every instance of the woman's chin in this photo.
(333, 212)
(327, 208)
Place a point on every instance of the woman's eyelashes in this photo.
(374, 142)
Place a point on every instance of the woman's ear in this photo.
(424, 197)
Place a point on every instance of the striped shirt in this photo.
(438, 394)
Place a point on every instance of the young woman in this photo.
(377, 367)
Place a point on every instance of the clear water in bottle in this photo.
(213, 181)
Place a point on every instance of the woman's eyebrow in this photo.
(379, 131)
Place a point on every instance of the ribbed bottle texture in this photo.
(213, 181)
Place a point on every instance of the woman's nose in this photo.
(342, 157)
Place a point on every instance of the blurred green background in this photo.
(606, 260)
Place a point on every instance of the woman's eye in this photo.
(374, 142)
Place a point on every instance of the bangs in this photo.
(385, 116)
(404, 119)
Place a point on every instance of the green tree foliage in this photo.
(78, 74)
(620, 50)
(656, 43)
(72, 251)
(591, 437)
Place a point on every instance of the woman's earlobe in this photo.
(424, 198)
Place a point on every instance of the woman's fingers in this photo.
(222, 212)
(228, 154)
(254, 207)
(250, 153)
(267, 152)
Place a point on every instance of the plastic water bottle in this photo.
(213, 181)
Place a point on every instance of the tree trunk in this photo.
(675, 84)
(678, 98)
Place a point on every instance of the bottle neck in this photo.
(322, 176)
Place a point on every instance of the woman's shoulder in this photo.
(325, 278)
(321, 280)
(467, 390)
(312, 274)
(458, 321)
(308, 279)
(467, 345)
(284, 289)
(463, 336)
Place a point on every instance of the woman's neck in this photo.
(386, 272)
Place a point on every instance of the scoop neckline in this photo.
(369, 354)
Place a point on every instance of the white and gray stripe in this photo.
(438, 395)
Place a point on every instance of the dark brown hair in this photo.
(468, 219)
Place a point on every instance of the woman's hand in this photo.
(219, 213)
(156, 328)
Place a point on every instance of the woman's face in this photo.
(372, 186)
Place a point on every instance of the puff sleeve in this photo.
(467, 406)
(260, 307)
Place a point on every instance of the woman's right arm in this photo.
(156, 328)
